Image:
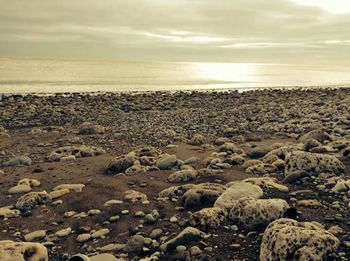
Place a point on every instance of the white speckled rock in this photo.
(252, 213)
(134, 196)
(236, 191)
(288, 239)
(312, 162)
(32, 199)
(208, 217)
(15, 251)
(183, 175)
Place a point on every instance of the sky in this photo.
(256, 31)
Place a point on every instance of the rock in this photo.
(112, 248)
(80, 151)
(258, 152)
(295, 176)
(90, 128)
(341, 186)
(112, 202)
(166, 161)
(236, 191)
(189, 234)
(9, 213)
(313, 163)
(35, 235)
(83, 238)
(254, 213)
(261, 169)
(197, 140)
(58, 193)
(208, 217)
(63, 232)
(156, 233)
(134, 196)
(19, 160)
(72, 187)
(183, 175)
(318, 135)
(229, 147)
(309, 203)
(288, 239)
(19, 189)
(93, 212)
(251, 163)
(134, 244)
(267, 182)
(283, 151)
(202, 193)
(32, 199)
(22, 251)
(311, 143)
(100, 233)
(29, 182)
(120, 164)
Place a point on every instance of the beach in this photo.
(150, 175)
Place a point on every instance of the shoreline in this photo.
(208, 90)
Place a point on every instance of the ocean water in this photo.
(53, 76)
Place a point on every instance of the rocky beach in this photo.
(256, 175)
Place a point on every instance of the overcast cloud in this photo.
(270, 31)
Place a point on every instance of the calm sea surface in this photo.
(51, 76)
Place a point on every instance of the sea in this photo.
(61, 76)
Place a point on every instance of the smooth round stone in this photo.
(39, 234)
(100, 233)
(174, 219)
(139, 214)
(114, 218)
(83, 237)
(181, 249)
(63, 232)
(125, 212)
(93, 212)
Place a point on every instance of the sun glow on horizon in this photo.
(331, 6)
(226, 72)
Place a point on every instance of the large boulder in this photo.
(288, 239)
(236, 191)
(254, 213)
(22, 251)
(313, 163)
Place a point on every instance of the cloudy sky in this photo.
(268, 31)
